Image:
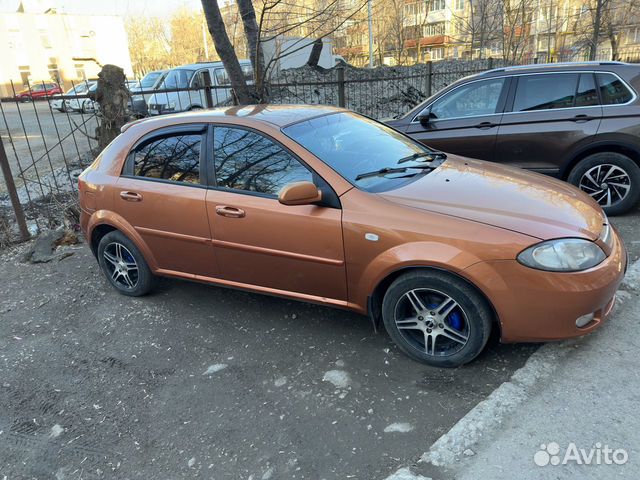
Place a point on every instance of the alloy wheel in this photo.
(432, 322)
(121, 265)
(607, 184)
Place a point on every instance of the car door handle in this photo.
(485, 125)
(131, 196)
(582, 118)
(231, 212)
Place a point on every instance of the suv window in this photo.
(612, 90)
(476, 98)
(545, 91)
(174, 157)
(586, 94)
(245, 160)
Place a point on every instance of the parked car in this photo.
(151, 81)
(57, 103)
(319, 204)
(83, 104)
(579, 122)
(38, 90)
(191, 76)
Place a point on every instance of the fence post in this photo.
(207, 89)
(429, 78)
(341, 98)
(490, 63)
(13, 193)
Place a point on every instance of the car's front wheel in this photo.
(611, 179)
(123, 265)
(436, 318)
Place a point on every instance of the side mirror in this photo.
(425, 118)
(299, 193)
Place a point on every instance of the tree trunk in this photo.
(593, 51)
(252, 32)
(316, 51)
(112, 95)
(226, 51)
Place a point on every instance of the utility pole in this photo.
(370, 33)
(596, 30)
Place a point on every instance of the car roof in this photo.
(553, 67)
(192, 66)
(277, 115)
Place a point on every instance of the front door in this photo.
(162, 194)
(550, 117)
(464, 120)
(257, 240)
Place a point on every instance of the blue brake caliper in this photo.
(455, 319)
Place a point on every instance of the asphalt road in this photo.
(196, 381)
(32, 134)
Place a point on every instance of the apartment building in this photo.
(38, 44)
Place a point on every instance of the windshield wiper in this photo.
(388, 170)
(430, 156)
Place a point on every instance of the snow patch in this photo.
(398, 427)
(280, 381)
(56, 430)
(339, 378)
(405, 474)
(215, 368)
(267, 475)
(191, 462)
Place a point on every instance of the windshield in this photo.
(150, 79)
(177, 79)
(368, 154)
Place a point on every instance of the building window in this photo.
(437, 5)
(44, 39)
(25, 73)
(459, 5)
(80, 73)
(437, 53)
(432, 29)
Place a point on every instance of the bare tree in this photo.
(226, 52)
(480, 24)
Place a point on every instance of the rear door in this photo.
(548, 117)
(162, 191)
(464, 120)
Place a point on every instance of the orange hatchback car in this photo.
(323, 205)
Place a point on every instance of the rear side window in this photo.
(612, 90)
(586, 95)
(544, 92)
(174, 157)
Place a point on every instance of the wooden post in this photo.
(341, 97)
(13, 193)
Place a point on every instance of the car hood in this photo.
(505, 197)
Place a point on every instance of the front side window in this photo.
(475, 98)
(174, 157)
(245, 160)
(612, 90)
(545, 92)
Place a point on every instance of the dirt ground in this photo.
(196, 381)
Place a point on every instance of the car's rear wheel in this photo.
(123, 265)
(611, 179)
(436, 318)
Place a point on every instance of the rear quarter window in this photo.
(612, 90)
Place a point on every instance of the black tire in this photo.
(141, 279)
(83, 108)
(472, 315)
(608, 160)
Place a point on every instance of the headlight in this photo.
(562, 255)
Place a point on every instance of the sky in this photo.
(111, 7)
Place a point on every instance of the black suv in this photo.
(576, 121)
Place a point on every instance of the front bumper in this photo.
(534, 305)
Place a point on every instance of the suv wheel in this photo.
(123, 265)
(436, 318)
(611, 179)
